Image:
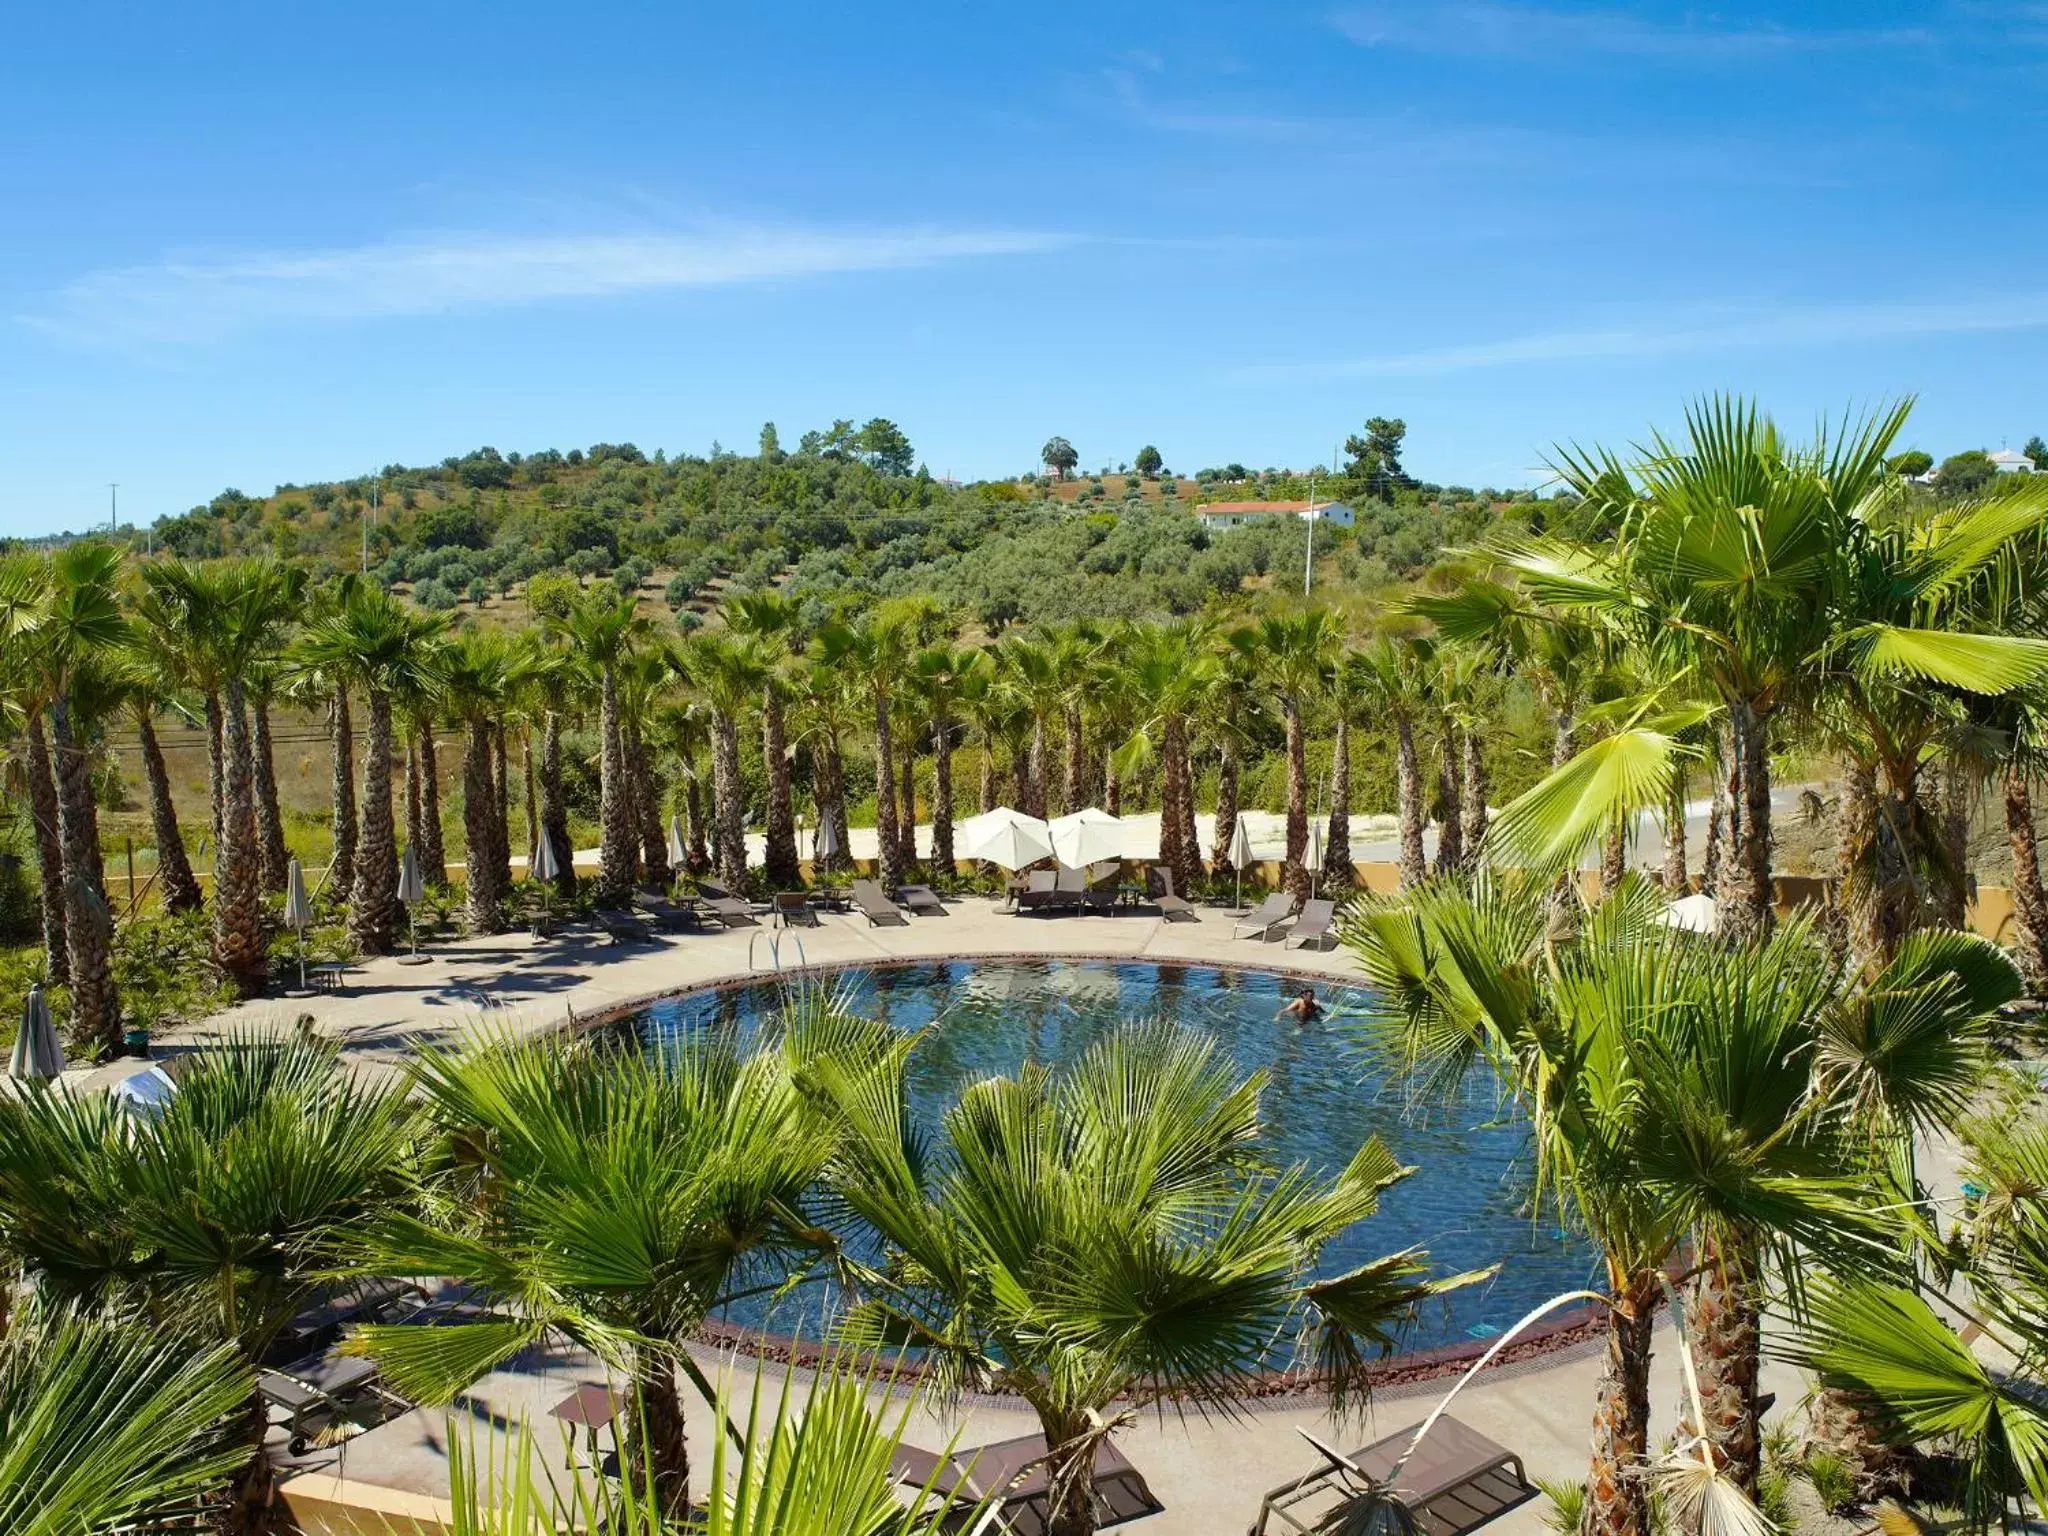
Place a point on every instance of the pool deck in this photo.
(1209, 1472)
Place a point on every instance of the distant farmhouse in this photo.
(1219, 515)
(2006, 462)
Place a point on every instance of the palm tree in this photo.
(728, 673)
(941, 674)
(555, 681)
(158, 673)
(1349, 687)
(643, 679)
(1294, 654)
(274, 859)
(1166, 671)
(110, 1425)
(773, 620)
(81, 624)
(476, 675)
(371, 643)
(831, 711)
(1234, 699)
(625, 1197)
(1077, 650)
(226, 1210)
(683, 730)
(605, 633)
(1396, 675)
(876, 650)
(1030, 670)
(1008, 1255)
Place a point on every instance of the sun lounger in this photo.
(1039, 893)
(666, 914)
(363, 1301)
(623, 927)
(321, 1392)
(730, 911)
(921, 899)
(1069, 887)
(1265, 917)
(793, 910)
(1011, 1475)
(1316, 923)
(879, 910)
(1171, 907)
(1454, 1482)
(1099, 898)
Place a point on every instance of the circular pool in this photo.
(1468, 1203)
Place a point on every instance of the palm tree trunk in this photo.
(888, 852)
(1675, 878)
(1035, 789)
(1171, 843)
(501, 798)
(1617, 1491)
(1184, 821)
(484, 886)
(531, 777)
(693, 815)
(1227, 771)
(1450, 825)
(269, 818)
(1408, 775)
(433, 851)
(1472, 795)
(412, 795)
(730, 811)
(1721, 1320)
(657, 1449)
(1074, 775)
(216, 760)
(1952, 900)
(1710, 856)
(781, 855)
(1854, 910)
(1112, 786)
(373, 903)
(906, 816)
(942, 798)
(985, 787)
(42, 799)
(174, 869)
(554, 809)
(251, 1490)
(88, 926)
(647, 801)
(1613, 859)
(1071, 1475)
(1295, 876)
(1338, 870)
(1755, 913)
(2030, 904)
(341, 869)
(237, 867)
(615, 803)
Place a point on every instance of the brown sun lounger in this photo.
(793, 909)
(1455, 1481)
(921, 899)
(322, 1393)
(1265, 917)
(1316, 923)
(1011, 1476)
(879, 910)
(1040, 892)
(1171, 906)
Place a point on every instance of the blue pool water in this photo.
(1468, 1203)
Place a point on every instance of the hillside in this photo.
(829, 521)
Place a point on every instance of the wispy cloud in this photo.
(207, 298)
(1699, 331)
(1537, 32)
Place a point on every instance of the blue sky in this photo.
(242, 244)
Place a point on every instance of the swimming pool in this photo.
(1468, 1203)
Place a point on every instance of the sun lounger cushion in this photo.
(1264, 918)
(1314, 924)
(921, 899)
(878, 909)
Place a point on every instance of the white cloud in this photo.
(205, 299)
(1538, 32)
(1701, 331)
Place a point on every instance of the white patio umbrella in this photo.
(298, 912)
(37, 1056)
(824, 844)
(678, 845)
(411, 890)
(1312, 860)
(1010, 840)
(1086, 837)
(544, 867)
(1693, 914)
(1240, 854)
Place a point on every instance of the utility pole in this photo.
(113, 507)
(1308, 560)
(369, 511)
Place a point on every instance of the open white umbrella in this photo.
(1086, 837)
(1692, 914)
(37, 1056)
(678, 847)
(298, 912)
(1010, 840)
(1240, 853)
(411, 890)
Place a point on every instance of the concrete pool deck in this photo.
(1209, 1472)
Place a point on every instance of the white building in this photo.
(1219, 515)
(2006, 462)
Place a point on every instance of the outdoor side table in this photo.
(594, 1408)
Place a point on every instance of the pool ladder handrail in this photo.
(775, 936)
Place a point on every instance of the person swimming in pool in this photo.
(1302, 1006)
